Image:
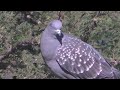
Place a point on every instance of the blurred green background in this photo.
(101, 29)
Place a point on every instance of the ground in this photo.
(98, 28)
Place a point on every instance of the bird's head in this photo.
(54, 27)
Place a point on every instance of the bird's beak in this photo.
(58, 32)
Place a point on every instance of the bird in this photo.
(68, 57)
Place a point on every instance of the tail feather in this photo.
(116, 73)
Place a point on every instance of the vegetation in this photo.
(101, 29)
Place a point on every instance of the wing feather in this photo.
(81, 60)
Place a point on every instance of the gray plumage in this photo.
(71, 58)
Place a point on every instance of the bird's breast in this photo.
(48, 48)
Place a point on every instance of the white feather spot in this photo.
(100, 67)
(67, 47)
(93, 59)
(91, 65)
(87, 68)
(80, 60)
(98, 73)
(66, 54)
(69, 57)
(70, 45)
(89, 56)
(58, 60)
(63, 63)
(88, 59)
(61, 57)
(73, 59)
(82, 50)
(84, 62)
(79, 65)
(81, 71)
(85, 53)
(64, 49)
(77, 50)
(69, 54)
(75, 56)
(73, 63)
(77, 71)
(65, 60)
(80, 55)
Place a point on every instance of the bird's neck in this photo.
(49, 45)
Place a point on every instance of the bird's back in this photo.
(81, 60)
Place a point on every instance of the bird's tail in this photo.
(116, 73)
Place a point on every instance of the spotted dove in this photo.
(69, 57)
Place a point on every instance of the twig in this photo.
(60, 15)
(78, 19)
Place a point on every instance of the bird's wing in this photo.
(81, 60)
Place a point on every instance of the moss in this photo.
(103, 34)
